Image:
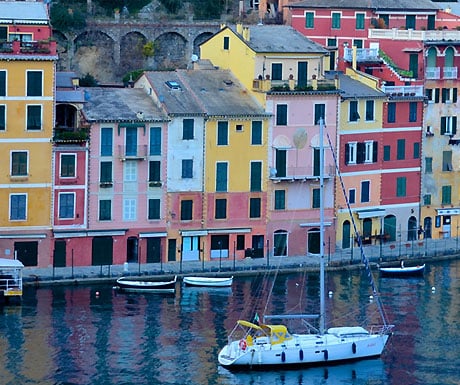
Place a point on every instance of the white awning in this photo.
(153, 235)
(453, 211)
(371, 213)
(193, 233)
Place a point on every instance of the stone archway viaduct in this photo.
(109, 49)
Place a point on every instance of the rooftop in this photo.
(23, 12)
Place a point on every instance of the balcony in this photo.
(132, 152)
(362, 54)
(410, 34)
(291, 85)
(301, 174)
(433, 73)
(449, 72)
(403, 90)
(64, 135)
(43, 47)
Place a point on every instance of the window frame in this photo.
(19, 167)
(31, 116)
(188, 128)
(279, 200)
(66, 209)
(34, 87)
(360, 18)
(106, 141)
(256, 133)
(353, 111)
(222, 133)
(282, 114)
(255, 210)
(129, 209)
(336, 20)
(401, 186)
(154, 209)
(220, 209)
(21, 210)
(221, 176)
(187, 169)
(186, 210)
(68, 169)
(155, 141)
(105, 213)
(365, 191)
(309, 20)
(2, 117)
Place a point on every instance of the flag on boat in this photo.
(256, 319)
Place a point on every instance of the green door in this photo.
(102, 251)
(153, 250)
(413, 65)
(59, 254)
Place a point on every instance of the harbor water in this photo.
(96, 335)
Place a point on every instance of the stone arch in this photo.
(202, 37)
(131, 55)
(63, 50)
(170, 51)
(94, 55)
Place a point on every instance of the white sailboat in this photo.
(258, 346)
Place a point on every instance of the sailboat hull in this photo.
(302, 350)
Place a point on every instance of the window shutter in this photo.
(444, 94)
(454, 125)
(443, 125)
(374, 151)
(436, 95)
(360, 152)
(454, 95)
(347, 153)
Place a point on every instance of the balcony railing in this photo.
(70, 134)
(403, 90)
(433, 73)
(362, 54)
(449, 72)
(410, 34)
(301, 174)
(291, 85)
(16, 47)
(133, 152)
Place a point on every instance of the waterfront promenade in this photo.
(412, 251)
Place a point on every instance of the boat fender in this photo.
(301, 355)
(283, 357)
(353, 348)
(243, 345)
(326, 355)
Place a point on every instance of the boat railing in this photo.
(8, 282)
(381, 329)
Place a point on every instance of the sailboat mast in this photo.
(322, 307)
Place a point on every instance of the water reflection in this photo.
(95, 335)
(363, 372)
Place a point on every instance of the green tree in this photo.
(66, 17)
(208, 9)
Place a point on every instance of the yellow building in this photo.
(266, 56)
(27, 72)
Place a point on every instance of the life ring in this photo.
(243, 345)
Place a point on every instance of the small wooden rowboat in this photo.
(147, 286)
(208, 281)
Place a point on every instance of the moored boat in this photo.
(208, 281)
(253, 346)
(147, 286)
(402, 271)
(10, 279)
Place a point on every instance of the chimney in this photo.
(246, 33)
(239, 29)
